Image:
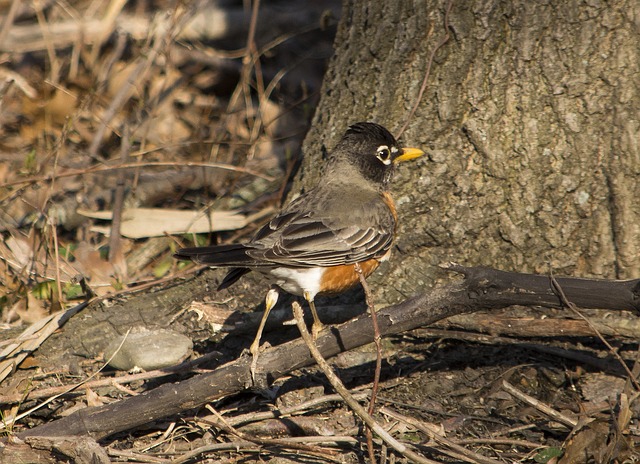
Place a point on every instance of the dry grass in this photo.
(112, 114)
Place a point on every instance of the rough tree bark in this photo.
(531, 122)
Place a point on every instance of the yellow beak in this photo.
(409, 154)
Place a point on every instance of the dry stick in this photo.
(49, 44)
(527, 326)
(6, 423)
(6, 83)
(247, 63)
(301, 408)
(101, 168)
(539, 405)
(268, 441)
(498, 441)
(167, 435)
(178, 369)
(250, 64)
(584, 358)
(245, 445)
(558, 289)
(482, 288)
(8, 20)
(457, 451)
(116, 256)
(376, 339)
(224, 425)
(254, 58)
(56, 253)
(346, 396)
(264, 95)
(110, 60)
(138, 457)
(138, 74)
(423, 87)
(108, 24)
(53, 224)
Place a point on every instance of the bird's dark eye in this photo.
(383, 153)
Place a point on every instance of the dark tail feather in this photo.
(217, 256)
(232, 277)
(220, 256)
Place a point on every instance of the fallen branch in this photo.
(348, 398)
(482, 288)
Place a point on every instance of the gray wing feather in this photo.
(315, 238)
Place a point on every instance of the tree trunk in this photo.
(530, 119)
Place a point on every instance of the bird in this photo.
(312, 246)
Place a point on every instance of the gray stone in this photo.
(144, 349)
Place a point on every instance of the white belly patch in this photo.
(298, 281)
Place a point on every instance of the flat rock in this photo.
(148, 349)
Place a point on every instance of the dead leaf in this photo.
(92, 266)
(93, 399)
(18, 252)
(30, 309)
(156, 222)
(21, 251)
(47, 115)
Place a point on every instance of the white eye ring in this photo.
(383, 153)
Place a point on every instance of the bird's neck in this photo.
(344, 173)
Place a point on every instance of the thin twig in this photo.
(49, 44)
(347, 397)
(56, 254)
(499, 441)
(423, 87)
(246, 445)
(283, 412)
(558, 289)
(179, 369)
(8, 20)
(227, 427)
(137, 457)
(108, 21)
(102, 168)
(134, 79)
(12, 420)
(116, 256)
(163, 36)
(376, 339)
(539, 405)
(458, 451)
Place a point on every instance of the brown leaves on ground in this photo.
(212, 126)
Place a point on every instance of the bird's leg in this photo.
(317, 326)
(269, 302)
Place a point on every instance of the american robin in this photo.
(312, 245)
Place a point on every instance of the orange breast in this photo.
(386, 197)
(337, 279)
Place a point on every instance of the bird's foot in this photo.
(255, 350)
(316, 328)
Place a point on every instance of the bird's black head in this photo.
(373, 151)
